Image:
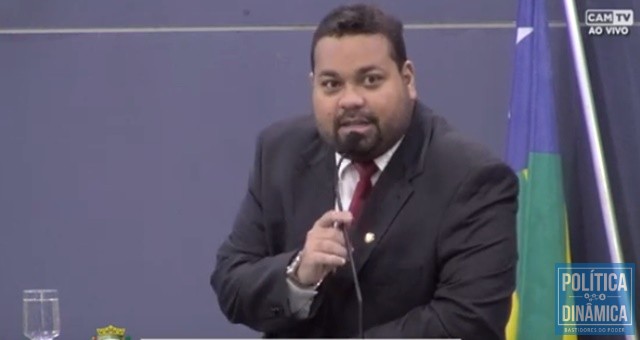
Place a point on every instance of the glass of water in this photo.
(40, 314)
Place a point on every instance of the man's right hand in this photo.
(324, 249)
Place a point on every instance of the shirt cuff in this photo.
(300, 299)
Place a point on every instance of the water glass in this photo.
(40, 314)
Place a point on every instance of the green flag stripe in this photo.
(541, 244)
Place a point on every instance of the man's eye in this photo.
(372, 80)
(330, 84)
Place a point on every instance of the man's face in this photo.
(359, 92)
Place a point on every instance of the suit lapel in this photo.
(386, 201)
(393, 189)
(313, 188)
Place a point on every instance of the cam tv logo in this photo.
(608, 21)
(595, 298)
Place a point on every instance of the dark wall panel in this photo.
(124, 156)
(97, 13)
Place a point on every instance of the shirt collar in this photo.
(381, 161)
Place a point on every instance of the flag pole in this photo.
(595, 142)
(593, 130)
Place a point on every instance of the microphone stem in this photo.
(356, 284)
(352, 263)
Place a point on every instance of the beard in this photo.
(357, 135)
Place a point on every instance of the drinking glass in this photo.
(40, 314)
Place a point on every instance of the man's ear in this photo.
(311, 77)
(409, 78)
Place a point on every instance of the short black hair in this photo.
(361, 19)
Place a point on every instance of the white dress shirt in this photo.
(300, 299)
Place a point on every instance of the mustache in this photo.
(355, 117)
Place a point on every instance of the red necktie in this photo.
(363, 188)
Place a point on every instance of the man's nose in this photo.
(351, 98)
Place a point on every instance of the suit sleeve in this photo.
(249, 281)
(477, 257)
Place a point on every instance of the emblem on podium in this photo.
(111, 332)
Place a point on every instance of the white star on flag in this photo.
(523, 32)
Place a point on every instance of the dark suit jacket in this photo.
(443, 261)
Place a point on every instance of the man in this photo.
(431, 216)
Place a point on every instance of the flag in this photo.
(533, 152)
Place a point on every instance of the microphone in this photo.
(347, 148)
